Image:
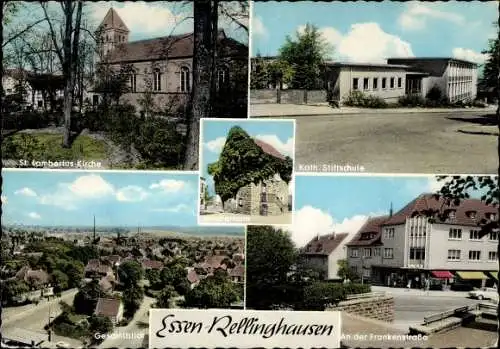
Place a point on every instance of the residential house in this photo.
(323, 253)
(36, 279)
(96, 269)
(113, 260)
(111, 308)
(106, 285)
(163, 66)
(266, 198)
(237, 274)
(152, 264)
(428, 238)
(193, 277)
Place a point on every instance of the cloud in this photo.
(26, 192)
(284, 148)
(258, 27)
(216, 145)
(131, 193)
(470, 55)
(4, 200)
(176, 209)
(91, 186)
(365, 42)
(169, 185)
(34, 215)
(416, 16)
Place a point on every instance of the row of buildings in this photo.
(456, 78)
(427, 239)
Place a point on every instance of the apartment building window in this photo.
(417, 253)
(354, 268)
(455, 234)
(384, 83)
(454, 255)
(365, 84)
(354, 253)
(474, 255)
(376, 252)
(366, 273)
(157, 80)
(367, 252)
(355, 82)
(389, 233)
(494, 236)
(388, 253)
(492, 256)
(474, 235)
(185, 80)
(392, 82)
(375, 83)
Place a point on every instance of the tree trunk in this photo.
(202, 64)
(498, 155)
(67, 72)
(2, 6)
(214, 18)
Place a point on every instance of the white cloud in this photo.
(470, 55)
(91, 186)
(258, 27)
(169, 185)
(365, 42)
(4, 200)
(34, 215)
(216, 145)
(131, 193)
(26, 192)
(176, 209)
(273, 140)
(416, 16)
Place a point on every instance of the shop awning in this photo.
(471, 275)
(494, 274)
(442, 274)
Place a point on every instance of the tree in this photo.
(212, 292)
(132, 299)
(86, 299)
(164, 297)
(346, 273)
(153, 276)
(67, 54)
(100, 324)
(306, 54)
(130, 273)
(488, 80)
(12, 288)
(279, 73)
(60, 281)
(173, 274)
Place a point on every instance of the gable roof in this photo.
(107, 307)
(152, 264)
(426, 203)
(324, 244)
(237, 271)
(373, 227)
(112, 20)
(174, 46)
(193, 277)
(269, 149)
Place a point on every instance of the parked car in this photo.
(484, 293)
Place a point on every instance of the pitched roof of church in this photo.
(112, 20)
(269, 149)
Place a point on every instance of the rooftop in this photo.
(269, 149)
(375, 65)
(325, 244)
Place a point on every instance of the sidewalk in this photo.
(415, 292)
(293, 110)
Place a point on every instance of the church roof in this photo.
(112, 20)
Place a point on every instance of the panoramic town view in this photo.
(419, 78)
(86, 255)
(111, 84)
(411, 257)
(247, 171)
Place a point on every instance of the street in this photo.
(398, 142)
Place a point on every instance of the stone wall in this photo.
(378, 308)
(288, 96)
(248, 198)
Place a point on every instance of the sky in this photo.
(71, 198)
(145, 20)
(342, 204)
(372, 31)
(278, 133)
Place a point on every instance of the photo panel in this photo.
(398, 256)
(134, 91)
(375, 93)
(87, 254)
(246, 172)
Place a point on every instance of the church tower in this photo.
(112, 32)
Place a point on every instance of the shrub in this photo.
(478, 104)
(359, 99)
(434, 94)
(320, 294)
(411, 101)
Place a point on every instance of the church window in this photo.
(185, 80)
(157, 80)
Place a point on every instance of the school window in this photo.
(185, 80)
(367, 252)
(133, 82)
(492, 256)
(384, 83)
(388, 253)
(355, 83)
(455, 234)
(494, 236)
(400, 82)
(474, 235)
(474, 255)
(365, 84)
(392, 82)
(375, 83)
(354, 253)
(389, 233)
(157, 80)
(453, 255)
(417, 253)
(376, 252)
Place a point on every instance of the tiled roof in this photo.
(325, 244)
(269, 149)
(192, 276)
(428, 203)
(370, 232)
(107, 307)
(152, 264)
(237, 271)
(112, 20)
(37, 276)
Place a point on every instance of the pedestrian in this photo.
(409, 285)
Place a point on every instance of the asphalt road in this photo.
(398, 142)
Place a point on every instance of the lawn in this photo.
(48, 146)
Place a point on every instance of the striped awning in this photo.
(494, 274)
(472, 275)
